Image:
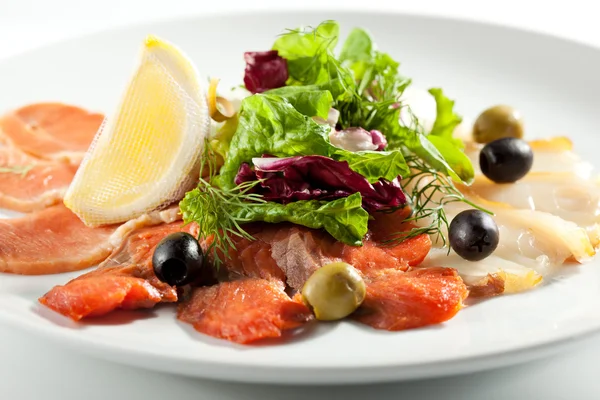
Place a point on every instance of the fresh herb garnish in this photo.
(270, 124)
(215, 209)
(22, 170)
(221, 212)
(429, 191)
(311, 62)
(363, 84)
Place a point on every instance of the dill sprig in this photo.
(22, 170)
(429, 191)
(217, 211)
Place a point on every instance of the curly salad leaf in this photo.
(272, 125)
(220, 214)
(290, 179)
(381, 86)
(364, 86)
(310, 58)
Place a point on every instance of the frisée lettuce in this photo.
(280, 165)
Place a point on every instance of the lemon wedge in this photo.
(147, 153)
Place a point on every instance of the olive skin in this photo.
(473, 235)
(506, 160)
(178, 259)
(496, 123)
(334, 291)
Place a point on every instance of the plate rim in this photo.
(72, 340)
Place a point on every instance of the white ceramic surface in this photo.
(476, 64)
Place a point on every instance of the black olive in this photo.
(473, 235)
(506, 160)
(178, 259)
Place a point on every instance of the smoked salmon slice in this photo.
(398, 295)
(398, 300)
(98, 295)
(28, 184)
(253, 303)
(55, 240)
(292, 253)
(243, 311)
(125, 280)
(52, 131)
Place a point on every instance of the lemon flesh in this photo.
(147, 153)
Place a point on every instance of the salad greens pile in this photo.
(364, 85)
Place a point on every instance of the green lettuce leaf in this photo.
(375, 164)
(442, 155)
(357, 52)
(441, 136)
(269, 124)
(308, 100)
(357, 47)
(310, 59)
(307, 42)
(222, 212)
(456, 161)
(222, 138)
(344, 218)
(446, 120)
(379, 84)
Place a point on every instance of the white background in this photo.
(31, 368)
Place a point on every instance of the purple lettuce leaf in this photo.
(358, 139)
(290, 179)
(264, 70)
(378, 139)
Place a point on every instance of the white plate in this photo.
(553, 82)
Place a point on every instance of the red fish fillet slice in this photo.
(292, 253)
(243, 311)
(398, 300)
(126, 280)
(395, 300)
(29, 184)
(55, 240)
(51, 130)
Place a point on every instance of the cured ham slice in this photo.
(243, 311)
(29, 184)
(52, 131)
(126, 280)
(55, 240)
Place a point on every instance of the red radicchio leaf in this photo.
(264, 70)
(285, 180)
(358, 139)
(378, 139)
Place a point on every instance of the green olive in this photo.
(496, 123)
(334, 291)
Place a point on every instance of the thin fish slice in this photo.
(398, 300)
(28, 184)
(243, 311)
(51, 131)
(126, 280)
(55, 240)
(491, 276)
